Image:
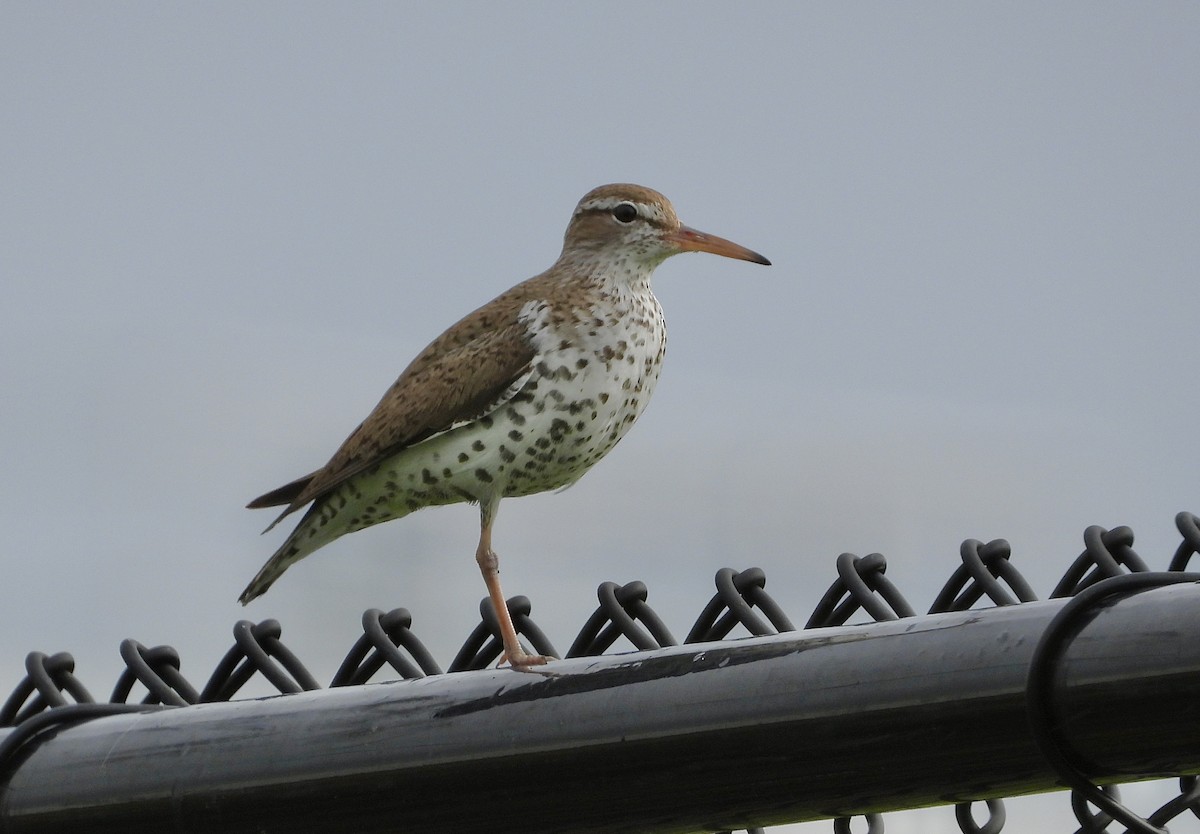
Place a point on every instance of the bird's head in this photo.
(625, 223)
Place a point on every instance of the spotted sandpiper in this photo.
(522, 396)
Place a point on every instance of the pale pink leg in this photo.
(489, 566)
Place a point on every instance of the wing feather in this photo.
(457, 379)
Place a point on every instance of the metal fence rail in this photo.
(956, 706)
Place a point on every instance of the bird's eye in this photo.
(625, 212)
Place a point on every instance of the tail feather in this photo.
(311, 534)
(272, 570)
(284, 495)
(328, 518)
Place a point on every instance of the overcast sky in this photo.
(226, 228)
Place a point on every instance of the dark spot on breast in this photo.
(463, 457)
(483, 475)
(478, 446)
(506, 455)
(581, 364)
(515, 435)
(558, 429)
(427, 477)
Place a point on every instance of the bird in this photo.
(523, 395)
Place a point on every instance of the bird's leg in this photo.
(489, 566)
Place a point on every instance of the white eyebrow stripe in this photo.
(650, 211)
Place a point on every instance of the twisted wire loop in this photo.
(994, 823)
(157, 669)
(1097, 822)
(1106, 553)
(738, 594)
(37, 706)
(1039, 697)
(484, 647)
(383, 637)
(860, 584)
(986, 570)
(1189, 528)
(257, 648)
(1188, 800)
(1089, 822)
(47, 677)
(841, 825)
(622, 612)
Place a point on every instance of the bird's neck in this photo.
(624, 273)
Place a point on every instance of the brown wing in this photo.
(458, 378)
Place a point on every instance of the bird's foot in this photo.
(522, 661)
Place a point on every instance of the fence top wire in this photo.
(50, 696)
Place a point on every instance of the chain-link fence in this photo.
(50, 698)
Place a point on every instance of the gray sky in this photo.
(227, 228)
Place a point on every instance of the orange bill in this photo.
(691, 240)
